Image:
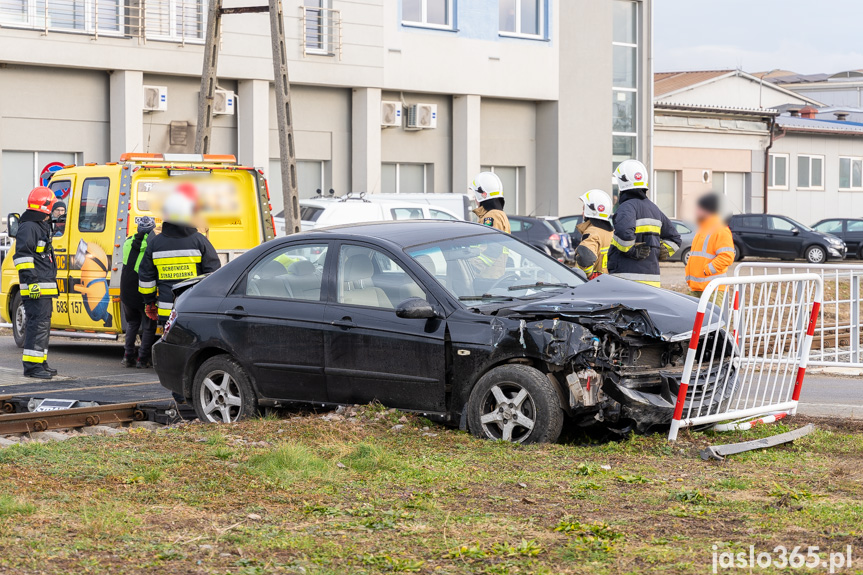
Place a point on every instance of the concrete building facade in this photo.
(549, 94)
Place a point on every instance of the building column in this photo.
(466, 139)
(253, 123)
(366, 141)
(126, 112)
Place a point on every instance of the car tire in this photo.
(738, 253)
(515, 403)
(228, 396)
(684, 256)
(19, 319)
(816, 254)
(860, 254)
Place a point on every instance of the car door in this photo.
(854, 236)
(274, 320)
(749, 231)
(371, 354)
(62, 188)
(783, 237)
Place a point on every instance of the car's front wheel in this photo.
(738, 253)
(222, 391)
(684, 257)
(816, 255)
(515, 403)
(19, 319)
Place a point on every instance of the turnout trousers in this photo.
(37, 330)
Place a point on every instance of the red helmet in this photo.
(41, 199)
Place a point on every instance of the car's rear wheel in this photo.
(684, 257)
(19, 319)
(222, 391)
(515, 403)
(816, 255)
(738, 253)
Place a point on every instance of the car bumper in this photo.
(834, 253)
(170, 363)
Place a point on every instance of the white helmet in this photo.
(631, 175)
(178, 209)
(597, 204)
(486, 186)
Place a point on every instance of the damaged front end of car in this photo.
(613, 365)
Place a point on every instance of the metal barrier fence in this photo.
(838, 338)
(749, 349)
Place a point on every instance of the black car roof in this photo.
(404, 233)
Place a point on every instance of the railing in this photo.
(321, 31)
(837, 341)
(165, 20)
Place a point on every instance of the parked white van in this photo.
(324, 212)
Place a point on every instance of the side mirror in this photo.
(415, 308)
(12, 224)
(795, 231)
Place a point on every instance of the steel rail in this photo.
(30, 422)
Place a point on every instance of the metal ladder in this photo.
(287, 154)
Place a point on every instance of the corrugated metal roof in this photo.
(668, 82)
(718, 109)
(806, 124)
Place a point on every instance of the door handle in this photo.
(60, 250)
(237, 312)
(345, 322)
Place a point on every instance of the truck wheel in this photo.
(816, 255)
(222, 391)
(515, 403)
(19, 319)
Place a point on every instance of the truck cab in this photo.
(103, 202)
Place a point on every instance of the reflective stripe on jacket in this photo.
(34, 255)
(711, 254)
(597, 240)
(639, 221)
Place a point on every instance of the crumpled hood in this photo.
(672, 313)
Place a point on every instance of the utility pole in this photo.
(287, 153)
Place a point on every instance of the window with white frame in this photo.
(175, 20)
(405, 178)
(430, 13)
(810, 172)
(664, 190)
(851, 173)
(321, 27)
(777, 172)
(84, 16)
(511, 178)
(522, 18)
(625, 85)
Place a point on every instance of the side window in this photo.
(855, 226)
(779, 224)
(439, 215)
(749, 222)
(830, 227)
(62, 189)
(93, 211)
(407, 213)
(515, 225)
(681, 229)
(371, 278)
(295, 272)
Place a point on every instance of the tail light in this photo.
(554, 240)
(170, 323)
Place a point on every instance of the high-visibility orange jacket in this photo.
(711, 253)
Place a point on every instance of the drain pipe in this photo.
(771, 126)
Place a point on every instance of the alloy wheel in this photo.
(20, 318)
(221, 398)
(816, 255)
(508, 413)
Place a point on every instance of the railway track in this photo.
(30, 422)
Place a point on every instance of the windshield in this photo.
(492, 267)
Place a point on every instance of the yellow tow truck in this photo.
(103, 201)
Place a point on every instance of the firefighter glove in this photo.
(150, 310)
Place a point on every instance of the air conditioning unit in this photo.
(224, 102)
(422, 116)
(391, 114)
(155, 98)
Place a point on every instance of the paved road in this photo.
(91, 368)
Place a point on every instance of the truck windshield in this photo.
(491, 267)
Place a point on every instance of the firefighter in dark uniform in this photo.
(134, 249)
(488, 192)
(37, 277)
(643, 235)
(178, 253)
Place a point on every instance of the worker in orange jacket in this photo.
(712, 249)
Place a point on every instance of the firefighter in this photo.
(591, 255)
(178, 253)
(37, 276)
(488, 191)
(133, 303)
(643, 235)
(712, 248)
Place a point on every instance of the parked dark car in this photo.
(772, 236)
(407, 313)
(546, 235)
(849, 230)
(687, 234)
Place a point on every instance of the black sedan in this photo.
(771, 236)
(849, 230)
(462, 323)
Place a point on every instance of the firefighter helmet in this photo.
(486, 186)
(41, 199)
(178, 209)
(597, 204)
(631, 175)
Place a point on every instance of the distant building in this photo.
(549, 94)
